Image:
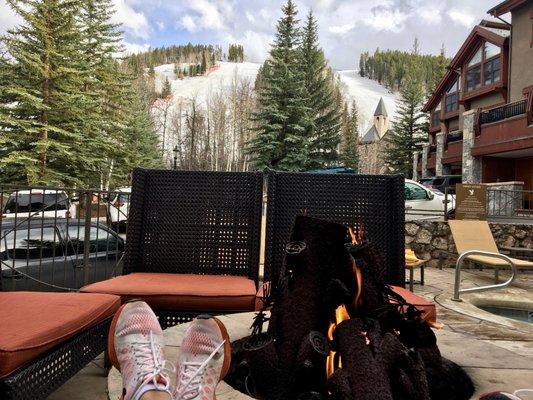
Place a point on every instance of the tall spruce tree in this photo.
(319, 84)
(283, 117)
(42, 107)
(350, 137)
(407, 132)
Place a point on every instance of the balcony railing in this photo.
(503, 112)
(455, 136)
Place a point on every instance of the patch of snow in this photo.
(366, 94)
(201, 87)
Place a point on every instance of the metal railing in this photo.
(458, 265)
(503, 112)
(60, 238)
(510, 204)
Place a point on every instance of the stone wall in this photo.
(432, 240)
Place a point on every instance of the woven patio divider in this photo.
(373, 203)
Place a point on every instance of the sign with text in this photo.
(471, 202)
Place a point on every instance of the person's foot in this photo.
(205, 357)
(135, 347)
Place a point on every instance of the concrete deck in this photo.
(497, 352)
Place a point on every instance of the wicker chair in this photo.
(192, 244)
(35, 362)
(374, 203)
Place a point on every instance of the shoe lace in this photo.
(151, 367)
(190, 373)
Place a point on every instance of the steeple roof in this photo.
(380, 109)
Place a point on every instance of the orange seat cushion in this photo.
(34, 322)
(182, 292)
(429, 310)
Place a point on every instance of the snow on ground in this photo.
(366, 94)
(364, 91)
(201, 87)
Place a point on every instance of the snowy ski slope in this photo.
(365, 91)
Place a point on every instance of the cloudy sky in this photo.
(347, 27)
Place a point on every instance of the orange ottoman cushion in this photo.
(184, 292)
(34, 322)
(429, 311)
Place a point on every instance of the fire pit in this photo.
(336, 331)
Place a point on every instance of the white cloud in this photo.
(133, 22)
(8, 19)
(250, 17)
(387, 20)
(462, 17)
(206, 15)
(341, 29)
(256, 45)
(160, 25)
(188, 23)
(132, 48)
(430, 15)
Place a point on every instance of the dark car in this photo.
(441, 182)
(52, 251)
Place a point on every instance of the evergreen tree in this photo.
(167, 89)
(319, 83)
(203, 67)
(282, 116)
(151, 71)
(407, 133)
(350, 137)
(42, 107)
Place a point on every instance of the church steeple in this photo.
(380, 109)
(381, 118)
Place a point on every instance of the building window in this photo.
(435, 119)
(484, 67)
(491, 71)
(451, 101)
(473, 78)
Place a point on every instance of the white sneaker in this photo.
(205, 358)
(135, 346)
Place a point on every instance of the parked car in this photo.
(118, 208)
(52, 250)
(441, 182)
(424, 203)
(38, 203)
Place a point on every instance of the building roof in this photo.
(504, 7)
(370, 136)
(380, 109)
(492, 32)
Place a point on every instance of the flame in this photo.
(334, 362)
(341, 314)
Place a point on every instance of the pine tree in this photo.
(167, 89)
(105, 82)
(283, 122)
(42, 107)
(350, 139)
(319, 84)
(407, 132)
(151, 71)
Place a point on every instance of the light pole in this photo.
(175, 151)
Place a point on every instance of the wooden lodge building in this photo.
(481, 114)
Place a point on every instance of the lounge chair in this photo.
(46, 338)
(192, 243)
(476, 235)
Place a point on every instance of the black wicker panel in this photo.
(195, 222)
(47, 373)
(374, 202)
(168, 319)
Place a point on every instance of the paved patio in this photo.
(496, 352)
